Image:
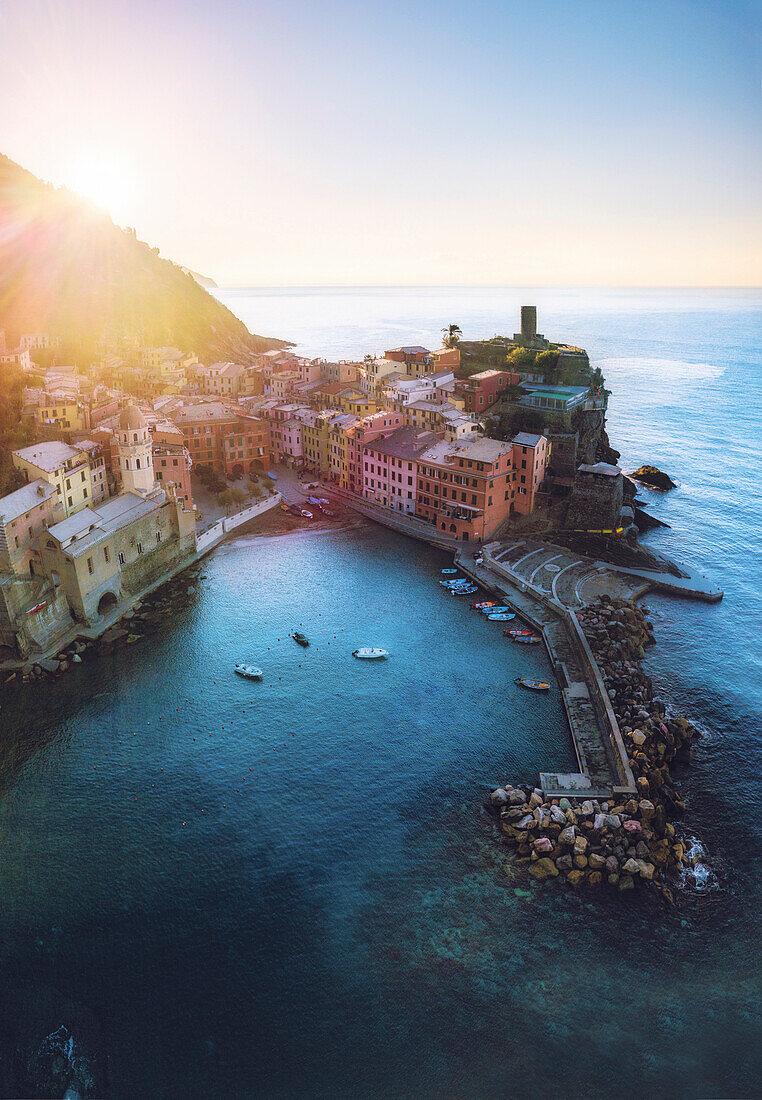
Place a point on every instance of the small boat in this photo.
(527, 639)
(365, 653)
(302, 639)
(517, 633)
(249, 672)
(305, 513)
(485, 603)
(502, 616)
(498, 609)
(463, 591)
(285, 508)
(479, 561)
(533, 685)
(295, 509)
(446, 571)
(457, 584)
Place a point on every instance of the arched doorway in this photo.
(106, 603)
(255, 467)
(237, 471)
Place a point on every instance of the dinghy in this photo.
(532, 685)
(518, 633)
(365, 653)
(502, 617)
(445, 572)
(527, 639)
(302, 639)
(249, 672)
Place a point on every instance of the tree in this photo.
(452, 335)
(547, 363)
(520, 359)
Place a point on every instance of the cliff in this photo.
(67, 270)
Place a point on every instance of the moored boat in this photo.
(463, 591)
(367, 653)
(302, 639)
(527, 639)
(502, 616)
(448, 571)
(249, 672)
(484, 603)
(498, 609)
(517, 633)
(532, 685)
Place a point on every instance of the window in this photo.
(523, 464)
(489, 500)
(140, 547)
(83, 475)
(84, 492)
(158, 536)
(90, 566)
(69, 499)
(473, 498)
(106, 554)
(68, 483)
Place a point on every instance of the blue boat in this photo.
(494, 610)
(444, 571)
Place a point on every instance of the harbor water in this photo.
(234, 889)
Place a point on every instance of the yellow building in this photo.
(357, 403)
(65, 414)
(338, 464)
(66, 468)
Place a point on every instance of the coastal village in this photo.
(125, 449)
(143, 460)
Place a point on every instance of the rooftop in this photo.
(212, 410)
(25, 498)
(413, 349)
(480, 450)
(604, 468)
(403, 443)
(47, 456)
(526, 439)
(91, 526)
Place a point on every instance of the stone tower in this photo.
(529, 323)
(135, 452)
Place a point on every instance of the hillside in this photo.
(66, 269)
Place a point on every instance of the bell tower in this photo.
(135, 452)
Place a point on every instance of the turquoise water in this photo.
(288, 888)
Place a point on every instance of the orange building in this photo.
(232, 442)
(468, 490)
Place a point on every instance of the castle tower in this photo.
(135, 454)
(529, 323)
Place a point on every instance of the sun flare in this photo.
(105, 181)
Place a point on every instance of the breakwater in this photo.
(621, 842)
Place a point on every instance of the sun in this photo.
(105, 181)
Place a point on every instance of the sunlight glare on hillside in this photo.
(105, 181)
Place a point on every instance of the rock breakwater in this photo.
(623, 844)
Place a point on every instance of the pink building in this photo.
(390, 466)
(360, 434)
(531, 454)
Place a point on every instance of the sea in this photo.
(217, 888)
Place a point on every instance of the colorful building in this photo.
(359, 435)
(23, 516)
(390, 466)
(66, 468)
(228, 439)
(482, 390)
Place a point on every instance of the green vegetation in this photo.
(13, 432)
(67, 270)
(451, 335)
(209, 478)
(229, 498)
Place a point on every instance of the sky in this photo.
(388, 142)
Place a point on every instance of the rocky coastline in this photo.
(144, 618)
(622, 844)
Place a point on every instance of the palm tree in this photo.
(452, 335)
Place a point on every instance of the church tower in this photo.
(135, 452)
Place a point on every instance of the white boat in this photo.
(249, 672)
(365, 653)
(463, 591)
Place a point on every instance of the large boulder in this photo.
(544, 868)
(653, 477)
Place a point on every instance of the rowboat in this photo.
(463, 591)
(527, 639)
(302, 639)
(502, 617)
(445, 572)
(365, 653)
(518, 633)
(249, 672)
(498, 609)
(484, 603)
(533, 685)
